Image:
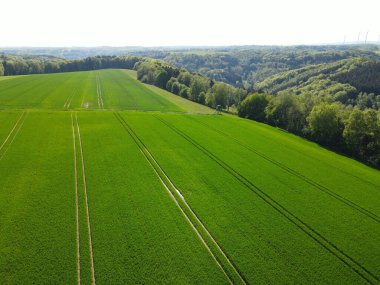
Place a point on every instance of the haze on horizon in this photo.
(186, 23)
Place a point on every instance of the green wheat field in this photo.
(106, 180)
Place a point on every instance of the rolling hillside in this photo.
(106, 180)
(343, 79)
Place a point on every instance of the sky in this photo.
(58, 23)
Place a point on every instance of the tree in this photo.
(362, 135)
(202, 98)
(210, 99)
(169, 84)
(222, 92)
(145, 72)
(240, 95)
(176, 87)
(184, 92)
(198, 84)
(325, 124)
(184, 77)
(253, 107)
(161, 78)
(286, 111)
(1, 69)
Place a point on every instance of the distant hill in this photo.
(244, 67)
(241, 66)
(343, 79)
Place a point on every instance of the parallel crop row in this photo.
(102, 89)
(248, 226)
(329, 216)
(307, 229)
(296, 173)
(138, 234)
(227, 265)
(37, 203)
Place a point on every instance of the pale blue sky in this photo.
(191, 22)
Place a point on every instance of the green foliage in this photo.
(19, 65)
(325, 124)
(1, 69)
(286, 111)
(362, 134)
(221, 92)
(169, 84)
(246, 66)
(338, 81)
(202, 98)
(161, 78)
(184, 92)
(365, 100)
(194, 87)
(198, 85)
(253, 107)
(185, 77)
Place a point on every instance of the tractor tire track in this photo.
(12, 135)
(12, 130)
(169, 184)
(358, 268)
(331, 165)
(76, 200)
(134, 103)
(293, 172)
(86, 201)
(70, 99)
(99, 91)
(196, 217)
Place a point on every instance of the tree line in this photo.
(192, 86)
(343, 128)
(19, 65)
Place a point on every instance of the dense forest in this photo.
(247, 67)
(331, 97)
(21, 65)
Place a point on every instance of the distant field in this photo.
(189, 106)
(109, 193)
(7, 77)
(104, 89)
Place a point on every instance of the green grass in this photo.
(7, 122)
(139, 236)
(189, 106)
(174, 194)
(115, 89)
(7, 77)
(37, 237)
(233, 212)
(123, 91)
